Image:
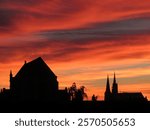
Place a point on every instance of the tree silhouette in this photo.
(94, 98)
(77, 94)
(72, 91)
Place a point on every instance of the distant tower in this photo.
(114, 86)
(11, 79)
(107, 92)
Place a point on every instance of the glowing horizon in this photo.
(81, 41)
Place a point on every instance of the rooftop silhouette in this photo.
(115, 96)
(35, 80)
(36, 84)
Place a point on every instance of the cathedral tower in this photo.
(107, 92)
(115, 86)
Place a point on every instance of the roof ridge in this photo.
(34, 62)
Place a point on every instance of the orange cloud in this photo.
(81, 40)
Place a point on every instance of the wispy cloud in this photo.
(77, 38)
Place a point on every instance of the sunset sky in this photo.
(81, 41)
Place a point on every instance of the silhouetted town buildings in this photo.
(115, 96)
(35, 84)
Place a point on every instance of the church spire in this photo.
(114, 78)
(115, 85)
(107, 92)
(108, 85)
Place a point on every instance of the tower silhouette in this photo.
(107, 92)
(115, 86)
(115, 96)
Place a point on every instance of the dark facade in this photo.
(114, 96)
(34, 81)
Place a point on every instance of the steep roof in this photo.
(36, 64)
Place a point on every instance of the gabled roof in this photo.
(36, 64)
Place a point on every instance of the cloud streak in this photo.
(77, 38)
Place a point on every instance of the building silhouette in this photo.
(35, 85)
(35, 81)
(107, 92)
(115, 96)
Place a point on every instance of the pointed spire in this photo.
(107, 92)
(115, 85)
(107, 84)
(107, 79)
(115, 78)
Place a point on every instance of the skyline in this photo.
(81, 40)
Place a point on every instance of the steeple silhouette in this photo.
(107, 92)
(35, 85)
(114, 77)
(108, 85)
(115, 86)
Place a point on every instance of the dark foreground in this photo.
(73, 107)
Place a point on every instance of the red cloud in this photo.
(75, 34)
